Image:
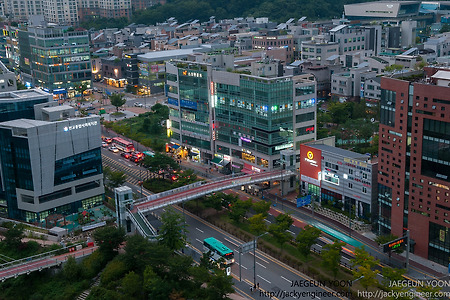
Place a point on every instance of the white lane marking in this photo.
(251, 253)
(199, 230)
(290, 282)
(241, 266)
(237, 245)
(264, 279)
(199, 241)
(290, 232)
(267, 221)
(261, 265)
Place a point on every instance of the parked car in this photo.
(104, 144)
(126, 155)
(138, 104)
(90, 108)
(107, 139)
(138, 154)
(113, 149)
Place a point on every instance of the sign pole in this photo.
(407, 250)
(240, 265)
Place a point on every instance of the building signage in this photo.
(79, 126)
(355, 162)
(280, 147)
(310, 164)
(395, 244)
(192, 74)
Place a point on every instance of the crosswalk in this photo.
(133, 175)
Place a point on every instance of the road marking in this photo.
(241, 266)
(199, 230)
(290, 282)
(291, 232)
(251, 253)
(267, 221)
(199, 241)
(261, 265)
(264, 279)
(231, 242)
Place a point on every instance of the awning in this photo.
(217, 160)
(193, 154)
(247, 171)
(175, 147)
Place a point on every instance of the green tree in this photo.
(239, 209)
(116, 178)
(173, 230)
(428, 289)
(278, 231)
(214, 201)
(219, 286)
(160, 162)
(72, 271)
(109, 239)
(257, 224)
(132, 285)
(261, 207)
(81, 88)
(113, 271)
(445, 28)
(306, 238)
(367, 275)
(14, 235)
(331, 256)
(284, 221)
(117, 100)
(392, 274)
(161, 111)
(393, 68)
(363, 258)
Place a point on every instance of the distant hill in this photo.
(276, 10)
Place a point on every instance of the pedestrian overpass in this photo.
(134, 211)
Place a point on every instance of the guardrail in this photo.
(40, 264)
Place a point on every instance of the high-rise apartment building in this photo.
(89, 9)
(414, 162)
(61, 12)
(55, 58)
(243, 119)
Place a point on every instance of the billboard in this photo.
(310, 164)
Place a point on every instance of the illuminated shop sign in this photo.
(79, 126)
(310, 158)
(192, 74)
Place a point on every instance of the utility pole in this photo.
(407, 249)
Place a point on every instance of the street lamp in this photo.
(255, 244)
(353, 283)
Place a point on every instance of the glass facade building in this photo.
(236, 118)
(49, 167)
(55, 58)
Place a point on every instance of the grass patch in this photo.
(158, 185)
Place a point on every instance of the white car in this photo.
(104, 144)
(138, 104)
(113, 149)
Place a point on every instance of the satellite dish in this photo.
(372, 120)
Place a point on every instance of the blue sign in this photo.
(172, 101)
(107, 92)
(188, 104)
(303, 201)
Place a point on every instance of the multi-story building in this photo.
(89, 9)
(414, 165)
(55, 58)
(8, 80)
(21, 10)
(63, 12)
(273, 40)
(50, 167)
(20, 104)
(239, 118)
(346, 179)
(11, 44)
(318, 49)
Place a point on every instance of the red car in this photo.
(135, 158)
(138, 154)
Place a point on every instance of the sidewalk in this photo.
(368, 238)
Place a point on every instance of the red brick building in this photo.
(414, 162)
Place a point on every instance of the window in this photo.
(364, 190)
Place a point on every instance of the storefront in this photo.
(194, 155)
(118, 83)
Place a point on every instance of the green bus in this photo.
(218, 250)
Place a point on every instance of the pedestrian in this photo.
(257, 285)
